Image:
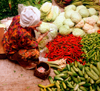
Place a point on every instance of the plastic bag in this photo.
(42, 54)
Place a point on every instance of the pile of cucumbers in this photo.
(75, 77)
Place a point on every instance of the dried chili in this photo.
(65, 47)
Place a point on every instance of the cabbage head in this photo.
(84, 12)
(59, 20)
(76, 17)
(53, 30)
(78, 32)
(69, 7)
(68, 22)
(64, 30)
(44, 27)
(68, 13)
(92, 11)
(80, 7)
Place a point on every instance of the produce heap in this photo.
(75, 41)
(73, 38)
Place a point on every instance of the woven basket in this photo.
(45, 74)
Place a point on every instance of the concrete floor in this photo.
(13, 77)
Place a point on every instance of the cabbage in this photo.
(59, 20)
(50, 15)
(68, 22)
(56, 12)
(78, 32)
(80, 7)
(46, 8)
(44, 27)
(92, 11)
(53, 30)
(68, 13)
(84, 12)
(64, 30)
(76, 17)
(69, 7)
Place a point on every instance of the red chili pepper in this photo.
(65, 47)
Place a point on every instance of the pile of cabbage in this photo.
(78, 20)
(49, 12)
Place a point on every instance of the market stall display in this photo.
(72, 46)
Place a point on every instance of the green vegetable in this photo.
(68, 13)
(70, 7)
(44, 27)
(64, 30)
(84, 12)
(59, 20)
(78, 32)
(68, 22)
(76, 17)
(58, 78)
(92, 11)
(50, 79)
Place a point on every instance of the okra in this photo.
(73, 70)
(69, 85)
(75, 79)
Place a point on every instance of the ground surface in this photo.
(13, 77)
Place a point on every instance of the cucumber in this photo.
(64, 85)
(96, 70)
(76, 87)
(98, 81)
(98, 66)
(80, 72)
(83, 88)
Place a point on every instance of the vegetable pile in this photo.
(91, 47)
(75, 77)
(67, 47)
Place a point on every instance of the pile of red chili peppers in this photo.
(67, 47)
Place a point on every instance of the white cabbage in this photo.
(76, 17)
(78, 32)
(44, 27)
(59, 20)
(68, 22)
(84, 12)
(80, 7)
(64, 30)
(92, 11)
(69, 7)
(68, 13)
